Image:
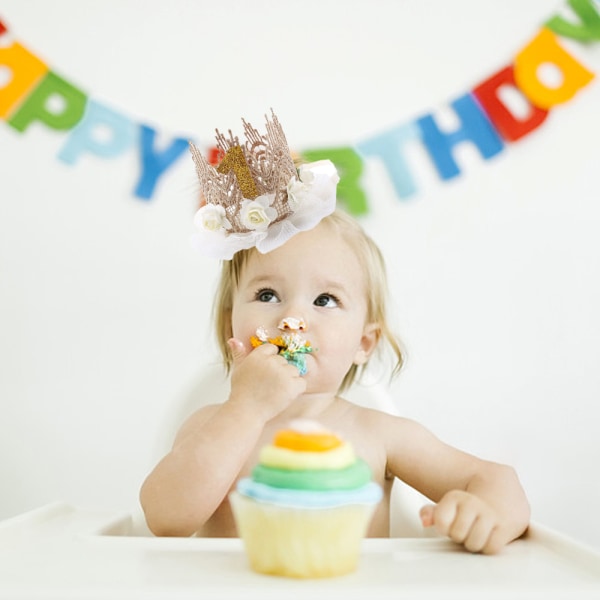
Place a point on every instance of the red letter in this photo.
(510, 127)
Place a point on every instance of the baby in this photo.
(325, 283)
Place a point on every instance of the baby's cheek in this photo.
(241, 331)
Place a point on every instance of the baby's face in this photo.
(315, 277)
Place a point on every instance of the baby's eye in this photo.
(266, 295)
(326, 300)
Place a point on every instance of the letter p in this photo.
(102, 132)
(54, 102)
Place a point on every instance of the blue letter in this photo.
(98, 120)
(155, 164)
(388, 147)
(475, 128)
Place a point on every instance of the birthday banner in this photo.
(35, 92)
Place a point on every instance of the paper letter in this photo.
(350, 168)
(474, 128)
(26, 71)
(509, 127)
(37, 105)
(154, 164)
(588, 30)
(544, 48)
(102, 132)
(215, 155)
(388, 147)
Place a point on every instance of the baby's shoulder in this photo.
(384, 424)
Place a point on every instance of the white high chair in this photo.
(59, 551)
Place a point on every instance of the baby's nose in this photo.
(291, 324)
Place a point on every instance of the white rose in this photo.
(257, 214)
(212, 217)
(296, 191)
(308, 172)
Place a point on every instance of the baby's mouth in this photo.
(292, 346)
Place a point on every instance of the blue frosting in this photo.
(366, 494)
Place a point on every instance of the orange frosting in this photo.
(306, 442)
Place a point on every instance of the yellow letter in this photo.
(544, 48)
(26, 70)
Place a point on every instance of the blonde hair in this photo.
(376, 288)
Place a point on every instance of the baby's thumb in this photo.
(237, 349)
(426, 514)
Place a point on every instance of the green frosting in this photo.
(349, 478)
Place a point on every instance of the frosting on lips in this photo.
(310, 469)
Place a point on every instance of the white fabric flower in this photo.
(320, 177)
(296, 192)
(257, 214)
(212, 217)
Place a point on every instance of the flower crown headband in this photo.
(255, 197)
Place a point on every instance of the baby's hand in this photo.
(263, 377)
(466, 519)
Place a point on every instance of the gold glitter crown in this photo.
(255, 197)
(263, 165)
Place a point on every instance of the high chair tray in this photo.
(60, 552)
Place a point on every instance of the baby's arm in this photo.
(479, 504)
(190, 483)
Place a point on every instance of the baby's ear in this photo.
(368, 343)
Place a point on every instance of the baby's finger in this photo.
(444, 514)
(237, 349)
(462, 524)
(267, 350)
(479, 535)
(495, 542)
(426, 515)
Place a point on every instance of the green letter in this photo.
(350, 167)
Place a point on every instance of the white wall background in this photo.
(104, 309)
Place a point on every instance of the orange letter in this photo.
(26, 70)
(544, 48)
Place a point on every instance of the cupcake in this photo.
(307, 505)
